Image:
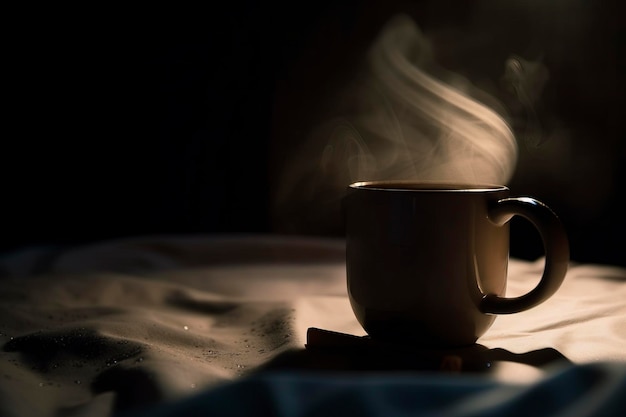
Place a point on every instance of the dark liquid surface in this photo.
(427, 186)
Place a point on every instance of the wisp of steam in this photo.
(403, 119)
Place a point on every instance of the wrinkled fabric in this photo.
(579, 390)
(134, 323)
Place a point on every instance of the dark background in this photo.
(131, 122)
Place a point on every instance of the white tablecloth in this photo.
(145, 321)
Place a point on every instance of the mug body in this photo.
(420, 257)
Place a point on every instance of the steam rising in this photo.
(525, 81)
(398, 121)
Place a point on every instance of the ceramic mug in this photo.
(427, 262)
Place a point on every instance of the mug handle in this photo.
(555, 244)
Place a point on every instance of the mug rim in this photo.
(428, 186)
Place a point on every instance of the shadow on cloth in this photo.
(332, 351)
(472, 359)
